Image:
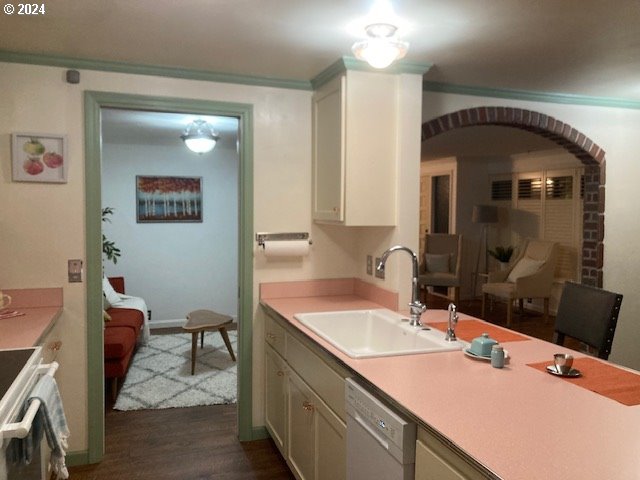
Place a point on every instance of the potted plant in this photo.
(502, 254)
(109, 248)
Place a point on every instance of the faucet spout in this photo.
(451, 326)
(416, 307)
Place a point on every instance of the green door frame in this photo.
(93, 102)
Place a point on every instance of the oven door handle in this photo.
(21, 429)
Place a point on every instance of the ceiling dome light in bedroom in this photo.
(199, 137)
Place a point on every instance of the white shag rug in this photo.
(160, 373)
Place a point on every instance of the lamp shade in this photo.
(485, 214)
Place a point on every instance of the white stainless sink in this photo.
(375, 333)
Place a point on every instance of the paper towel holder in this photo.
(265, 237)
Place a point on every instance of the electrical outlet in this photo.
(369, 265)
(75, 271)
(379, 273)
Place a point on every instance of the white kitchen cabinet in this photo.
(275, 414)
(355, 149)
(437, 461)
(317, 437)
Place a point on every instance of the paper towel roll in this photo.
(286, 248)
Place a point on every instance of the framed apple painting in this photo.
(39, 157)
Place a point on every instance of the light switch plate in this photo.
(75, 271)
(369, 265)
(379, 273)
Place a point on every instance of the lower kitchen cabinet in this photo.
(275, 414)
(317, 437)
(437, 461)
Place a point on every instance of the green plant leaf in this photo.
(502, 254)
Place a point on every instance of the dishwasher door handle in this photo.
(376, 435)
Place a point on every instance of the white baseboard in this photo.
(179, 322)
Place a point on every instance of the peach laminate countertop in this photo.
(518, 422)
(42, 307)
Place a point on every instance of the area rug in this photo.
(160, 374)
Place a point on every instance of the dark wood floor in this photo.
(201, 442)
(181, 443)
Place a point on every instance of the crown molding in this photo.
(345, 63)
(559, 98)
(172, 72)
(338, 67)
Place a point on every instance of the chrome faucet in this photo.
(451, 326)
(416, 307)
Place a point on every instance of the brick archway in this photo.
(564, 135)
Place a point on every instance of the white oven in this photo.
(21, 369)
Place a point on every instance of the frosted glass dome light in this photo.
(381, 49)
(199, 137)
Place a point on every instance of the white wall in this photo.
(615, 130)
(175, 267)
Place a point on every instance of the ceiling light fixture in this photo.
(382, 48)
(199, 137)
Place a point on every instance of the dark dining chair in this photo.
(442, 263)
(589, 315)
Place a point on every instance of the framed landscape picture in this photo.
(39, 157)
(168, 199)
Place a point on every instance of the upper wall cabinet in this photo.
(355, 149)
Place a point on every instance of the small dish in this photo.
(572, 373)
(487, 358)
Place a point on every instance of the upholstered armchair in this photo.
(442, 262)
(530, 275)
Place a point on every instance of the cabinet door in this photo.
(329, 152)
(317, 437)
(301, 431)
(276, 398)
(331, 444)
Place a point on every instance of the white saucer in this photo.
(572, 373)
(470, 354)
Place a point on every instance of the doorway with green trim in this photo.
(96, 104)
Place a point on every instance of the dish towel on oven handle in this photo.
(50, 421)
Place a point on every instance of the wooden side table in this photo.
(200, 321)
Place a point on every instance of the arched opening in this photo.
(565, 136)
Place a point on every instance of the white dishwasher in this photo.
(381, 444)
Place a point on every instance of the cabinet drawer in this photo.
(274, 335)
(323, 379)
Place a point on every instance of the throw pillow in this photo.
(526, 266)
(437, 263)
(109, 293)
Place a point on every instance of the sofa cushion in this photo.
(118, 342)
(118, 368)
(125, 317)
(526, 266)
